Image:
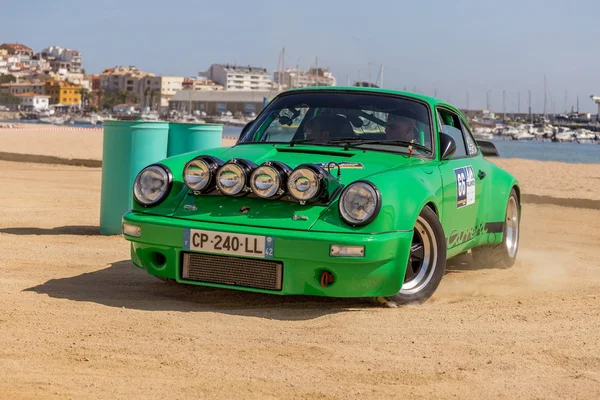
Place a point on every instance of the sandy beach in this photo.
(542, 181)
(78, 320)
(57, 141)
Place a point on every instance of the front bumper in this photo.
(304, 254)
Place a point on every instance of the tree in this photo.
(111, 98)
(85, 97)
(122, 96)
(7, 78)
(131, 98)
(8, 99)
(154, 93)
(146, 101)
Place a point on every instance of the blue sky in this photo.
(452, 47)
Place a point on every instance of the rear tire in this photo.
(504, 254)
(426, 264)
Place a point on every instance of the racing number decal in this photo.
(465, 186)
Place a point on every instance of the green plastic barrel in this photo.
(184, 138)
(128, 147)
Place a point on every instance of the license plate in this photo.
(228, 243)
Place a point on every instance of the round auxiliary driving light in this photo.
(199, 173)
(233, 176)
(152, 185)
(305, 183)
(269, 180)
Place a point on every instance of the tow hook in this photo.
(326, 278)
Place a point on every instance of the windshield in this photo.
(371, 121)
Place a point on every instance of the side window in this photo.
(450, 125)
(471, 146)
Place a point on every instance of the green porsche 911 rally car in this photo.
(342, 192)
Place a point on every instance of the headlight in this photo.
(198, 174)
(360, 203)
(152, 185)
(232, 177)
(305, 183)
(269, 180)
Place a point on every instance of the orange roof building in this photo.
(17, 49)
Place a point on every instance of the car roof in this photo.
(433, 102)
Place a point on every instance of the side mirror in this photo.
(245, 129)
(447, 146)
(487, 148)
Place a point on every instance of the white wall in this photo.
(35, 102)
(217, 74)
(170, 84)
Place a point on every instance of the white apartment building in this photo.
(156, 91)
(12, 62)
(34, 102)
(235, 77)
(293, 78)
(39, 63)
(63, 59)
(3, 65)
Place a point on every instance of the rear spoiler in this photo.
(487, 148)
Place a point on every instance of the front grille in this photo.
(235, 271)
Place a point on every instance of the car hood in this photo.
(354, 164)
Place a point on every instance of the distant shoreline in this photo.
(85, 143)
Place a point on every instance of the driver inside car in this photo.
(324, 128)
(398, 127)
(316, 130)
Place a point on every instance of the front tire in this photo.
(426, 264)
(504, 254)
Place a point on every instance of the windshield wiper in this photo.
(353, 142)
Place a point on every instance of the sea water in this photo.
(585, 153)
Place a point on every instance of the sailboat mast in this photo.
(504, 104)
(530, 106)
(545, 96)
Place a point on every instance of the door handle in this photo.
(481, 174)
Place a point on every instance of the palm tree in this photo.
(147, 102)
(152, 95)
(85, 97)
(121, 96)
(130, 98)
